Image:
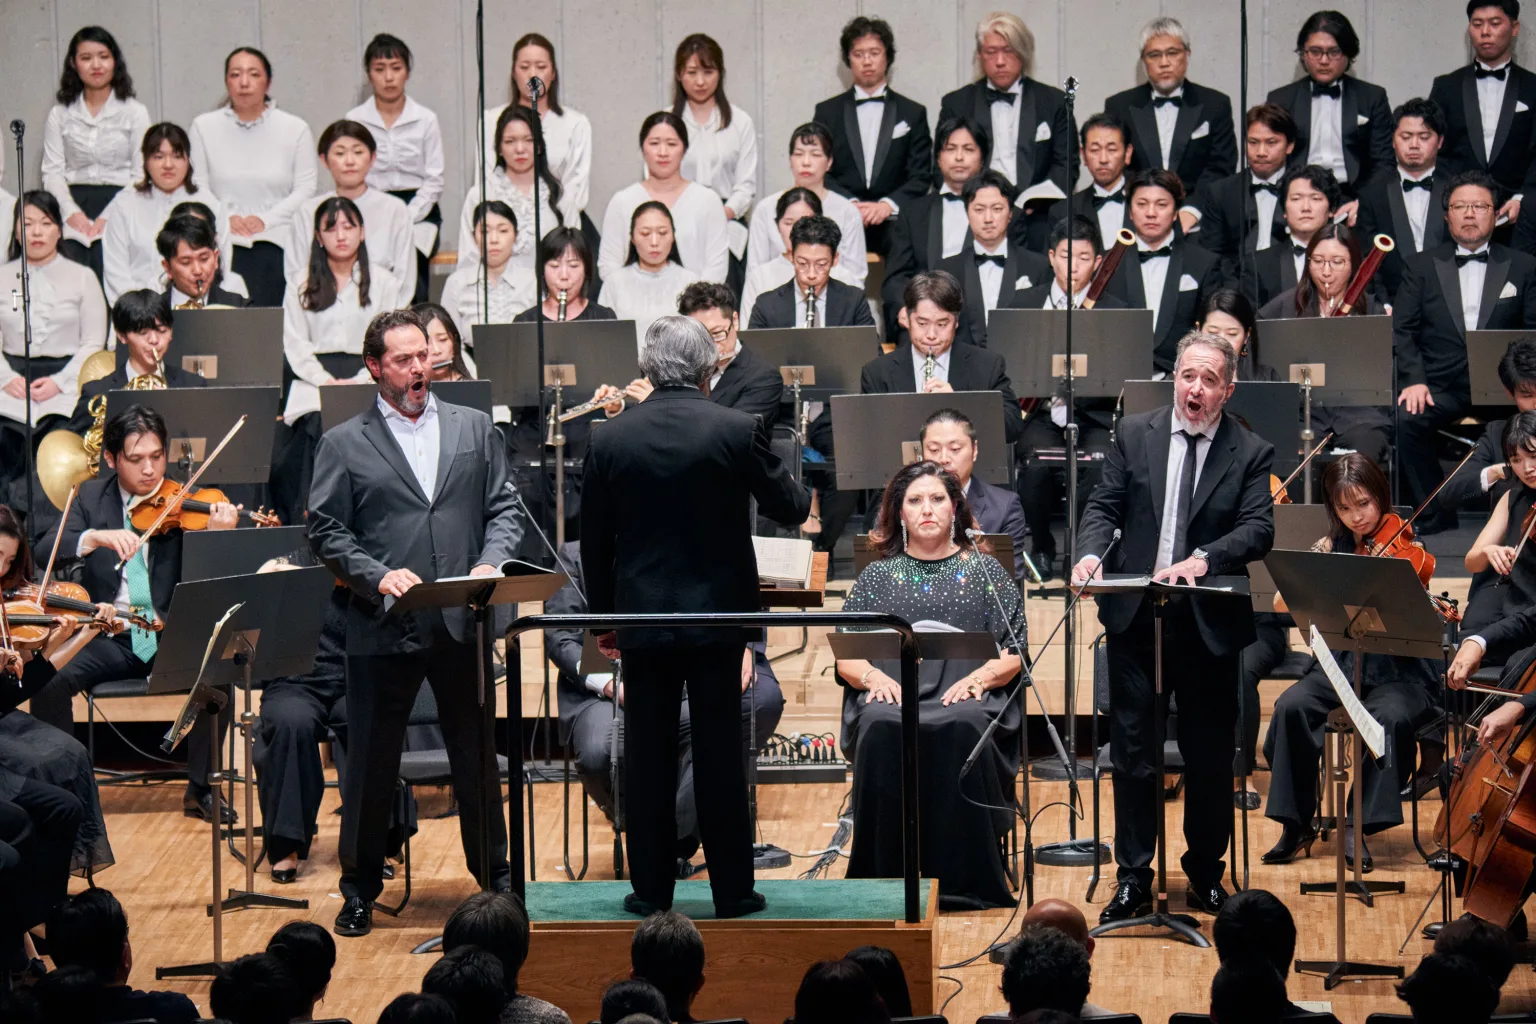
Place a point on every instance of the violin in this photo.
(175, 506)
(1394, 539)
(1277, 487)
(72, 597)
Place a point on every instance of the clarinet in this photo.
(560, 311)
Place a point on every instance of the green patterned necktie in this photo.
(140, 599)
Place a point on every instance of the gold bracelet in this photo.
(864, 679)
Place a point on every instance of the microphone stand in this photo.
(485, 174)
(19, 129)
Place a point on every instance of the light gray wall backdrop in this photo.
(615, 57)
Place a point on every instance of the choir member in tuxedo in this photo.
(813, 298)
(1485, 478)
(408, 163)
(996, 270)
(1033, 137)
(1407, 205)
(948, 438)
(1462, 285)
(511, 284)
(1342, 122)
(1488, 107)
(1210, 478)
(1041, 483)
(1311, 197)
(256, 159)
(638, 556)
(742, 379)
(653, 275)
(810, 161)
(142, 322)
(189, 258)
(722, 154)
(933, 226)
(1243, 213)
(93, 133)
(1329, 265)
(794, 205)
(567, 132)
(1175, 124)
(1170, 275)
(882, 155)
(1107, 153)
(517, 171)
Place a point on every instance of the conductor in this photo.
(410, 489)
(689, 552)
(1190, 489)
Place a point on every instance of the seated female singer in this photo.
(567, 132)
(445, 346)
(1499, 546)
(653, 275)
(698, 216)
(1332, 258)
(1396, 691)
(511, 181)
(794, 205)
(929, 570)
(511, 291)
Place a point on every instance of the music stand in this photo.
(1484, 350)
(836, 354)
(1223, 587)
(1269, 409)
(209, 554)
(197, 418)
(598, 350)
(226, 347)
(1109, 347)
(878, 434)
(341, 402)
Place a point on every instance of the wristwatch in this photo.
(1203, 555)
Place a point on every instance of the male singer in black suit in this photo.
(689, 553)
(189, 252)
(1464, 284)
(1244, 212)
(411, 489)
(1166, 274)
(1176, 124)
(1407, 206)
(1485, 477)
(1107, 153)
(1310, 197)
(812, 298)
(1187, 488)
(1342, 123)
(1033, 137)
(1490, 107)
(994, 269)
(882, 155)
(742, 379)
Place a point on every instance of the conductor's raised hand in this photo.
(1085, 569)
(1468, 657)
(1185, 572)
(397, 581)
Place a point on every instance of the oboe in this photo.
(560, 309)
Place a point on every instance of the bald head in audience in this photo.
(1062, 916)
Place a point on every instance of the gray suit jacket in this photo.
(368, 515)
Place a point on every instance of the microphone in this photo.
(18, 128)
(534, 522)
(535, 88)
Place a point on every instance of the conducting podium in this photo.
(878, 434)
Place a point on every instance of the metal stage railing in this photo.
(753, 620)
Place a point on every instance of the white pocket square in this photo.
(1509, 290)
(1043, 133)
(1188, 284)
(1520, 107)
(901, 129)
(1201, 132)
(1362, 119)
(1024, 282)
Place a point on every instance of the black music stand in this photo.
(600, 351)
(1222, 587)
(878, 434)
(226, 347)
(1270, 409)
(341, 402)
(196, 419)
(837, 354)
(1109, 347)
(210, 554)
(1484, 350)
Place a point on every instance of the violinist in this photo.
(1485, 478)
(1397, 691)
(98, 531)
(1502, 545)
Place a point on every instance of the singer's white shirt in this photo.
(390, 238)
(81, 148)
(69, 319)
(641, 296)
(263, 168)
(502, 188)
(698, 219)
(339, 327)
(134, 219)
(766, 243)
(1177, 447)
(568, 150)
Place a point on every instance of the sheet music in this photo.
(783, 561)
(1142, 582)
(1370, 730)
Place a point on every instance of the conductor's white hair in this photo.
(678, 351)
(1164, 27)
(1196, 339)
(1014, 32)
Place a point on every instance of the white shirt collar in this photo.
(409, 112)
(1462, 250)
(714, 116)
(1059, 295)
(980, 250)
(1273, 179)
(391, 413)
(1495, 67)
(945, 190)
(1119, 186)
(860, 94)
(1405, 176)
(1176, 424)
(1178, 91)
(1162, 243)
(229, 111)
(734, 353)
(111, 103)
(1017, 88)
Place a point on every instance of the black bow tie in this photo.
(995, 96)
(1462, 259)
(991, 257)
(1298, 250)
(1152, 254)
(1272, 187)
(1334, 91)
(953, 197)
(1426, 184)
(1167, 101)
(1114, 197)
(1483, 72)
(869, 99)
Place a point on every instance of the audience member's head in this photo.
(68, 995)
(1255, 924)
(90, 930)
(472, 980)
(256, 989)
(1046, 969)
(1062, 916)
(1447, 987)
(642, 1018)
(668, 952)
(1248, 990)
(1048, 1017)
(418, 1008)
(838, 992)
(497, 923)
(631, 997)
(310, 953)
(1485, 944)
(890, 981)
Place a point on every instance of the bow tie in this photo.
(1167, 101)
(953, 197)
(1298, 250)
(1334, 91)
(860, 101)
(1151, 254)
(1272, 187)
(1409, 184)
(1483, 72)
(991, 257)
(1113, 197)
(1471, 257)
(995, 96)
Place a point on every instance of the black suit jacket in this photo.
(750, 385)
(1197, 162)
(903, 166)
(917, 244)
(1269, 272)
(1180, 307)
(784, 307)
(81, 419)
(99, 506)
(1055, 157)
(1513, 160)
(1081, 202)
(1428, 330)
(1034, 298)
(1383, 212)
(997, 510)
(1367, 145)
(1466, 487)
(1023, 270)
(1229, 217)
(970, 369)
(638, 555)
(1232, 517)
(216, 297)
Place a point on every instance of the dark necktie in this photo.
(1186, 498)
(869, 99)
(1167, 101)
(1483, 72)
(991, 257)
(1272, 187)
(952, 197)
(1113, 197)
(996, 96)
(1426, 184)
(1333, 92)
(1462, 259)
(1151, 254)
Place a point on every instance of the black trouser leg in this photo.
(1294, 747)
(290, 780)
(1418, 443)
(55, 814)
(381, 691)
(1258, 659)
(451, 671)
(653, 698)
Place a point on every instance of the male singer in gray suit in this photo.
(411, 489)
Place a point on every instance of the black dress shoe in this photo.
(1292, 840)
(1207, 898)
(748, 904)
(633, 904)
(1366, 864)
(1130, 900)
(356, 917)
(284, 876)
(387, 872)
(1044, 564)
(194, 806)
(1246, 800)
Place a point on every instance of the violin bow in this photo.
(1297, 471)
(170, 506)
(1525, 535)
(1432, 495)
(54, 554)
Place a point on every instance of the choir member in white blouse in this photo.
(567, 132)
(256, 159)
(794, 204)
(512, 181)
(136, 215)
(653, 275)
(722, 150)
(409, 163)
(511, 286)
(810, 158)
(91, 139)
(69, 320)
(347, 150)
(698, 216)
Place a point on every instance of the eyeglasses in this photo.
(1318, 53)
(1158, 56)
(1471, 207)
(1337, 262)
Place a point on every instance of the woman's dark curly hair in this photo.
(887, 533)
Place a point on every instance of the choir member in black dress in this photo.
(994, 270)
(1398, 692)
(1485, 477)
(1494, 553)
(948, 438)
(1243, 213)
(1107, 153)
(1311, 197)
(929, 570)
(813, 298)
(742, 379)
(1406, 206)
(1342, 122)
(882, 154)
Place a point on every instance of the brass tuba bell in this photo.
(64, 458)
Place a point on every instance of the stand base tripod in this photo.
(767, 855)
(1051, 769)
(1073, 853)
(1336, 971)
(240, 899)
(1365, 891)
(1182, 925)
